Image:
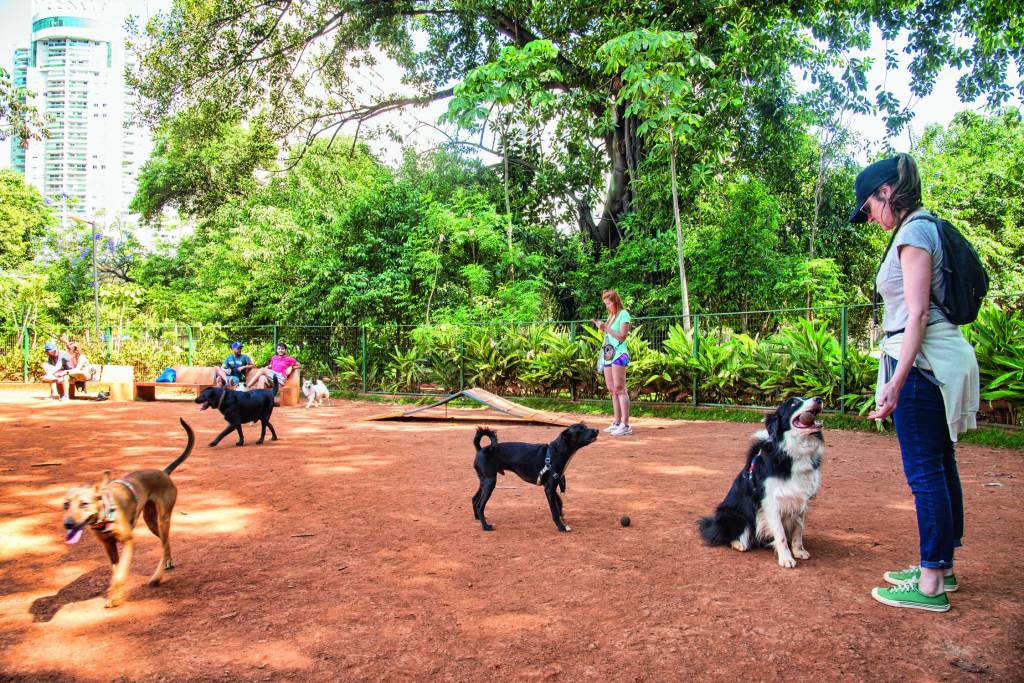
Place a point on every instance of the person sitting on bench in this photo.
(232, 372)
(56, 369)
(281, 364)
(81, 370)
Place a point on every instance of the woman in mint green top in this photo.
(614, 360)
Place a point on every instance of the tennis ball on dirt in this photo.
(624, 520)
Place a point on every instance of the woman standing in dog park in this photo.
(927, 380)
(614, 359)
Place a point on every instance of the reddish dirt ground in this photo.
(348, 551)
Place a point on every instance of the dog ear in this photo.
(773, 424)
(104, 481)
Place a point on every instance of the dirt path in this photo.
(348, 551)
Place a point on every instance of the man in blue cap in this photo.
(56, 369)
(231, 373)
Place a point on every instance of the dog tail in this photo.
(188, 448)
(275, 384)
(723, 527)
(481, 432)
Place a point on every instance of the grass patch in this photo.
(995, 437)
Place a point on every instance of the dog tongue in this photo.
(806, 419)
(73, 535)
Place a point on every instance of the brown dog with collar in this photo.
(111, 508)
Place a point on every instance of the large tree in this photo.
(292, 62)
(18, 119)
(24, 216)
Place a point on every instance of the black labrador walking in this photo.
(240, 407)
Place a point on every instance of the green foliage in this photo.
(491, 363)
(24, 216)
(973, 174)
(559, 361)
(727, 67)
(199, 162)
(18, 119)
(734, 257)
(515, 76)
(348, 373)
(996, 336)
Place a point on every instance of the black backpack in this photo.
(966, 282)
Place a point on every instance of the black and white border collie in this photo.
(768, 501)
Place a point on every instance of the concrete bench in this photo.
(198, 378)
(288, 394)
(120, 379)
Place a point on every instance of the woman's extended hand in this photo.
(886, 402)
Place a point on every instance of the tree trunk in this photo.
(683, 288)
(508, 204)
(624, 154)
(819, 183)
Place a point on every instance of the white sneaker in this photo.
(622, 430)
(64, 398)
(612, 427)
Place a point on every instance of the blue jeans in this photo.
(929, 462)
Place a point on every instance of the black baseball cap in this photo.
(869, 180)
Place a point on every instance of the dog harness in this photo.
(753, 461)
(547, 467)
(109, 509)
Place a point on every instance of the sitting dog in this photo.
(769, 499)
(541, 464)
(111, 508)
(315, 392)
(239, 407)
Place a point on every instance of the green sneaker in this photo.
(913, 574)
(908, 595)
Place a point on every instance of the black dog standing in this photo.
(240, 407)
(541, 464)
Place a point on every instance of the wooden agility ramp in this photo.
(480, 396)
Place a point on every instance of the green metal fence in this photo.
(748, 358)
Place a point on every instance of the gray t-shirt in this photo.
(916, 232)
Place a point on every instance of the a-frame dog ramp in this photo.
(480, 396)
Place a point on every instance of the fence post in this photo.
(24, 354)
(362, 344)
(842, 355)
(191, 345)
(110, 343)
(275, 338)
(696, 352)
(572, 381)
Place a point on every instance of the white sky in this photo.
(939, 107)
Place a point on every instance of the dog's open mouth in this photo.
(808, 420)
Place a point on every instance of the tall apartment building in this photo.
(19, 74)
(74, 65)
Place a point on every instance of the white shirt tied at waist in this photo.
(947, 355)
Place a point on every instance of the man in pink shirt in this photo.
(281, 365)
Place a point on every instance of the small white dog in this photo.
(315, 392)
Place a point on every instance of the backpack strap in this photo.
(875, 298)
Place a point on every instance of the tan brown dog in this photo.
(111, 508)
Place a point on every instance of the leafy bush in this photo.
(996, 336)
